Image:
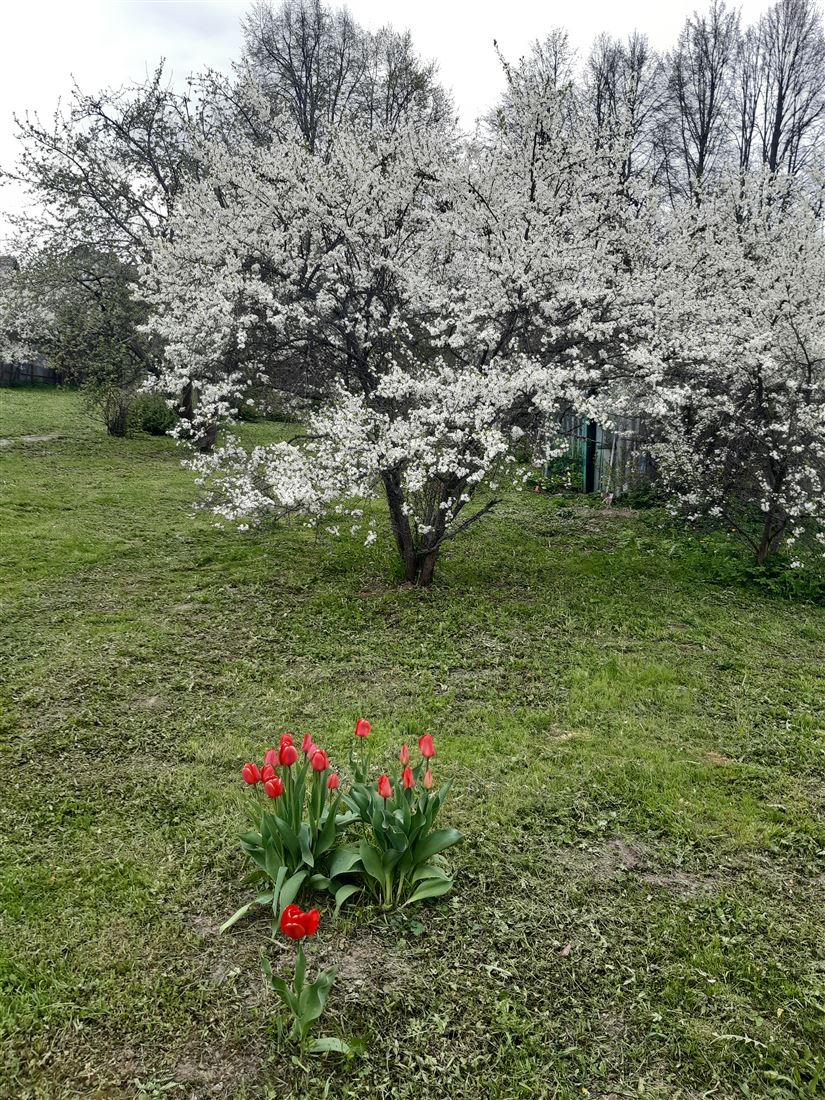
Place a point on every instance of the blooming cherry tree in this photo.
(456, 292)
(738, 396)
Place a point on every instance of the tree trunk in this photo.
(428, 560)
(206, 440)
(400, 527)
(765, 547)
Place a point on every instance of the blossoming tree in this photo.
(738, 397)
(457, 292)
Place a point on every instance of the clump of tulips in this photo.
(296, 821)
(399, 855)
(300, 813)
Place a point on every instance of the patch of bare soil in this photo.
(630, 857)
(9, 442)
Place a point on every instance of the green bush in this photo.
(151, 414)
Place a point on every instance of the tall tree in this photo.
(322, 69)
(700, 71)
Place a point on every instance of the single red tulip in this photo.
(407, 780)
(362, 728)
(250, 774)
(287, 756)
(286, 739)
(333, 783)
(310, 921)
(428, 780)
(292, 924)
(271, 757)
(384, 788)
(426, 747)
(404, 755)
(274, 788)
(307, 741)
(267, 773)
(319, 761)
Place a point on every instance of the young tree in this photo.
(738, 400)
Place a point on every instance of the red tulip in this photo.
(286, 739)
(428, 780)
(362, 728)
(288, 755)
(319, 761)
(311, 751)
(310, 921)
(426, 747)
(250, 774)
(271, 757)
(292, 924)
(267, 773)
(384, 788)
(333, 783)
(307, 741)
(297, 924)
(274, 788)
(407, 780)
(404, 755)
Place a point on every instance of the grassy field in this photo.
(638, 758)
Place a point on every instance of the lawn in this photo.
(638, 759)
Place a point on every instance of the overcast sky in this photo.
(44, 43)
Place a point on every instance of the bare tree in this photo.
(623, 94)
(317, 65)
(701, 70)
(789, 119)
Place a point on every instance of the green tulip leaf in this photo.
(342, 893)
(436, 841)
(430, 888)
(244, 909)
(289, 890)
(330, 1045)
(344, 860)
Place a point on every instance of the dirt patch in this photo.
(6, 442)
(149, 702)
(680, 883)
(718, 758)
(621, 857)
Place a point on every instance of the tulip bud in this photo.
(271, 757)
(407, 780)
(267, 773)
(250, 774)
(287, 756)
(426, 747)
(384, 788)
(333, 783)
(274, 788)
(404, 755)
(428, 780)
(362, 728)
(319, 761)
(307, 741)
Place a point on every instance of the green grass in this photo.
(638, 758)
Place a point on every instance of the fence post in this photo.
(590, 457)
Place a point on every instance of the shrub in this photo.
(151, 414)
